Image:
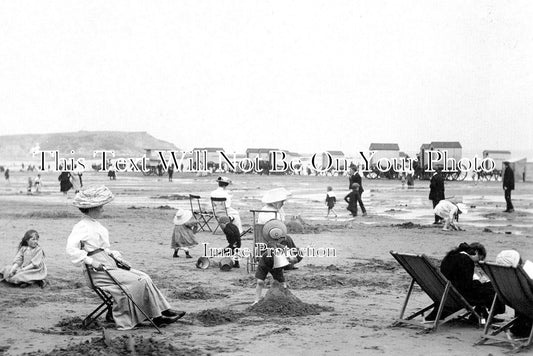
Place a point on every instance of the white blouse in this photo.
(93, 235)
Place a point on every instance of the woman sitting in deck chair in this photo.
(89, 243)
(458, 267)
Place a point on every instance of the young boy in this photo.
(273, 233)
(232, 235)
(352, 198)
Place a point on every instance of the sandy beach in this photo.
(363, 287)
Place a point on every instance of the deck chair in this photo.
(437, 287)
(219, 209)
(258, 239)
(514, 287)
(106, 305)
(202, 216)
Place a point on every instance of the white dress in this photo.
(93, 236)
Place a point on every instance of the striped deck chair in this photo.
(437, 287)
(514, 287)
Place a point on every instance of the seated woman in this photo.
(274, 200)
(89, 244)
(458, 267)
(222, 192)
(522, 326)
(28, 266)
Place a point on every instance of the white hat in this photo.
(93, 197)
(182, 216)
(463, 208)
(224, 180)
(275, 195)
(508, 258)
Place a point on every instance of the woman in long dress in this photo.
(28, 266)
(88, 244)
(183, 235)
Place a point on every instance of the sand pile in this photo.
(280, 301)
(124, 345)
(74, 326)
(197, 293)
(212, 317)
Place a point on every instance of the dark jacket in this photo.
(508, 178)
(232, 235)
(356, 178)
(436, 187)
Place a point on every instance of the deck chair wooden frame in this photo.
(217, 204)
(106, 305)
(253, 259)
(514, 287)
(439, 290)
(202, 216)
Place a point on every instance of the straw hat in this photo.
(182, 216)
(275, 195)
(93, 197)
(463, 208)
(508, 258)
(274, 230)
(224, 180)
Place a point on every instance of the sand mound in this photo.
(197, 293)
(280, 301)
(74, 326)
(211, 317)
(124, 345)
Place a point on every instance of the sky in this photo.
(303, 75)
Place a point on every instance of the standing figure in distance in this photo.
(508, 185)
(436, 191)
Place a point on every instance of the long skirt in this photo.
(137, 284)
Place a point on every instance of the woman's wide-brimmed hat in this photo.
(274, 230)
(463, 208)
(275, 195)
(182, 216)
(224, 180)
(93, 197)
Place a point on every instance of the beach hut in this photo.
(384, 150)
(498, 157)
(519, 167)
(338, 160)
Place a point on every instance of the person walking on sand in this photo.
(436, 191)
(352, 198)
(355, 177)
(508, 185)
(331, 200)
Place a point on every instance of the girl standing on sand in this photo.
(184, 229)
(28, 266)
(330, 201)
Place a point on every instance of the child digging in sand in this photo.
(272, 260)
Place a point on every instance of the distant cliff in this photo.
(125, 144)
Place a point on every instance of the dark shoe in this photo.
(173, 313)
(164, 320)
(175, 254)
(236, 264)
(511, 211)
(187, 255)
(24, 285)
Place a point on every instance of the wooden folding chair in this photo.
(106, 305)
(437, 287)
(514, 287)
(219, 209)
(253, 259)
(202, 216)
